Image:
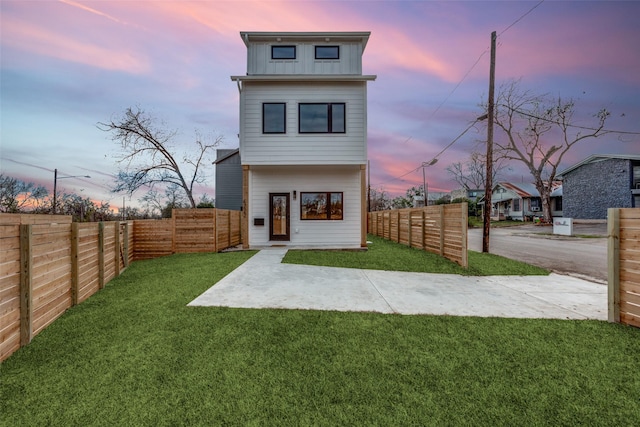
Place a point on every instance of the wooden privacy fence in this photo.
(49, 264)
(188, 231)
(624, 265)
(438, 229)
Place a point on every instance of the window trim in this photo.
(284, 118)
(276, 46)
(337, 47)
(328, 196)
(329, 117)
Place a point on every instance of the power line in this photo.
(434, 157)
(519, 19)
(570, 125)
(479, 58)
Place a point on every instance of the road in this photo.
(583, 257)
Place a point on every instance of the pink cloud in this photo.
(35, 39)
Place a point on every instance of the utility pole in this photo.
(489, 168)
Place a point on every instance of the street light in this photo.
(55, 185)
(424, 179)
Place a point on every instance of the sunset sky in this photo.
(68, 64)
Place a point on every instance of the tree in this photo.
(406, 201)
(530, 123)
(472, 174)
(378, 200)
(148, 158)
(19, 196)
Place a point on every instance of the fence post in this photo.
(117, 248)
(229, 229)
(101, 255)
(215, 230)
(26, 297)
(613, 264)
(422, 227)
(409, 220)
(465, 224)
(441, 230)
(173, 231)
(398, 222)
(75, 242)
(125, 244)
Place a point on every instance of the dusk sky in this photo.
(68, 64)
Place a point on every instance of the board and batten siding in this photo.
(318, 233)
(260, 63)
(293, 148)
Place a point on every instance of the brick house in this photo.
(599, 182)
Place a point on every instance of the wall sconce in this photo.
(294, 194)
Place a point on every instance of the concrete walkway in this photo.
(264, 282)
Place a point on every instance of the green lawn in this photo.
(134, 354)
(387, 255)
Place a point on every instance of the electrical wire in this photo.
(622, 132)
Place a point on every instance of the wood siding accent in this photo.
(345, 233)
(293, 148)
(624, 265)
(438, 229)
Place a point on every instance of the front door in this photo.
(279, 224)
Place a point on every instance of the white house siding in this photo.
(343, 233)
(260, 62)
(292, 147)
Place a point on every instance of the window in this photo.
(327, 206)
(558, 203)
(274, 117)
(283, 52)
(321, 118)
(327, 52)
(516, 204)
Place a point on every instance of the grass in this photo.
(135, 354)
(387, 255)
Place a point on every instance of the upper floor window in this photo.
(274, 117)
(321, 118)
(283, 52)
(327, 52)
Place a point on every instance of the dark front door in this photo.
(279, 224)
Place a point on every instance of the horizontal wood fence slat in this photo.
(438, 229)
(624, 265)
(49, 264)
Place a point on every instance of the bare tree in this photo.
(19, 196)
(472, 174)
(538, 131)
(148, 157)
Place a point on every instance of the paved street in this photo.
(583, 257)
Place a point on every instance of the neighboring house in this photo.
(600, 182)
(471, 194)
(522, 201)
(303, 139)
(228, 179)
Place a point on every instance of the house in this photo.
(471, 194)
(521, 202)
(228, 179)
(303, 139)
(599, 182)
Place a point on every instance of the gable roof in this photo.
(598, 158)
(527, 190)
